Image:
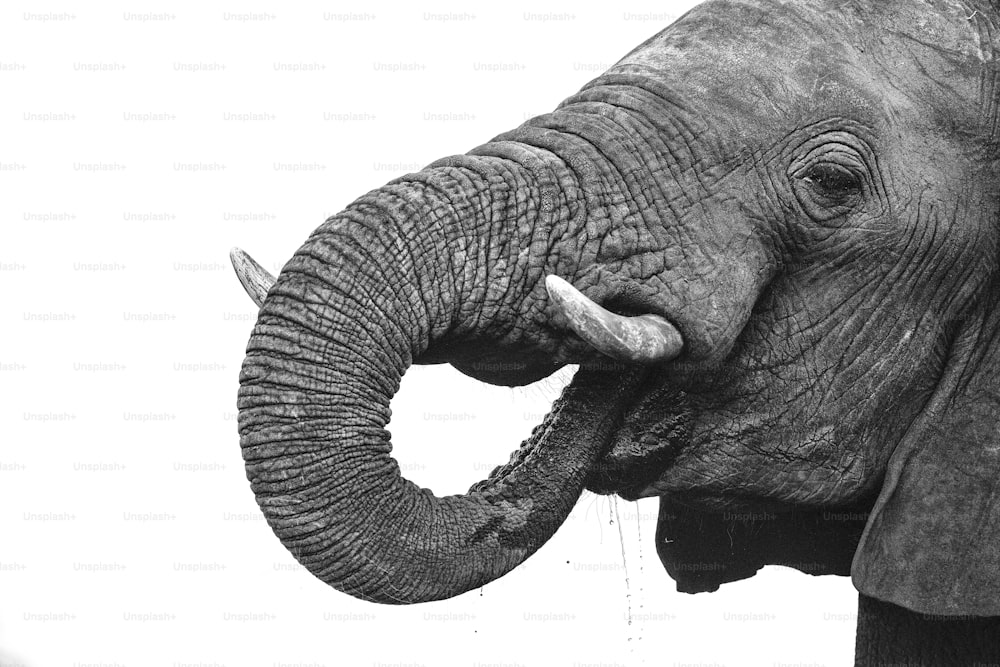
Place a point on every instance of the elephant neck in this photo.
(891, 635)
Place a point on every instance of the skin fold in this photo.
(806, 193)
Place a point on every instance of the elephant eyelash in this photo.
(827, 190)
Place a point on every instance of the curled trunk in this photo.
(427, 263)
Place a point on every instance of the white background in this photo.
(129, 533)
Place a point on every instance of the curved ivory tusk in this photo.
(643, 339)
(255, 280)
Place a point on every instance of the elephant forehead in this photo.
(961, 29)
(760, 60)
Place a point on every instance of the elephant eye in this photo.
(827, 190)
(833, 180)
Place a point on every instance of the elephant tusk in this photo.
(255, 280)
(643, 339)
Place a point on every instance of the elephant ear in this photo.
(932, 542)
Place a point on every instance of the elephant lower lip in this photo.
(631, 493)
(628, 470)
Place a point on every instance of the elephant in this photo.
(769, 238)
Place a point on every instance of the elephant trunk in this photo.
(422, 264)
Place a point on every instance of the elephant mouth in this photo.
(647, 441)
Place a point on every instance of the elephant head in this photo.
(769, 235)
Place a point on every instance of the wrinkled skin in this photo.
(808, 192)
